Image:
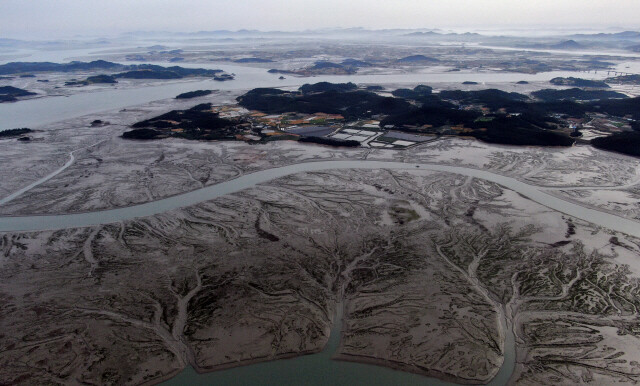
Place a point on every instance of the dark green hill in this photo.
(11, 94)
(625, 142)
(326, 86)
(578, 82)
(137, 71)
(193, 94)
(253, 60)
(350, 104)
(549, 95)
(97, 79)
(21, 67)
(417, 59)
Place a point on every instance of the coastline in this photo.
(403, 367)
(167, 379)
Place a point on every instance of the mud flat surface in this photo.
(426, 265)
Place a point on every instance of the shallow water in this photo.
(41, 111)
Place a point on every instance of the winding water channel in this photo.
(537, 194)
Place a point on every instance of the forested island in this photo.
(490, 115)
(96, 79)
(507, 118)
(193, 94)
(578, 82)
(130, 71)
(11, 94)
(14, 132)
(633, 79)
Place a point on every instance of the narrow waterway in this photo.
(537, 194)
(46, 178)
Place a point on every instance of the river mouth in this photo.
(321, 369)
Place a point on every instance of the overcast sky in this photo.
(57, 18)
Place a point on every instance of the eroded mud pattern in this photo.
(425, 263)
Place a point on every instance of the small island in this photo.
(193, 94)
(11, 94)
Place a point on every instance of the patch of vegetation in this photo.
(135, 71)
(416, 93)
(326, 86)
(350, 104)
(324, 64)
(625, 79)
(505, 117)
(626, 143)
(141, 134)
(181, 72)
(431, 115)
(253, 60)
(330, 141)
(223, 77)
(149, 74)
(490, 97)
(14, 132)
(22, 67)
(578, 82)
(576, 94)
(106, 79)
(11, 94)
(355, 63)
(518, 131)
(618, 107)
(418, 59)
(198, 122)
(193, 94)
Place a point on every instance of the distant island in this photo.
(197, 122)
(417, 59)
(193, 94)
(253, 60)
(97, 79)
(14, 132)
(11, 94)
(223, 77)
(132, 71)
(578, 82)
(321, 68)
(625, 79)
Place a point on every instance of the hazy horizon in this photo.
(39, 19)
